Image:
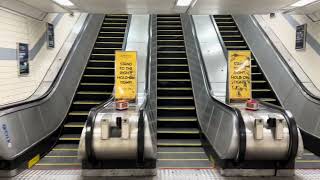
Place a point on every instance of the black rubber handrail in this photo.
(309, 93)
(57, 77)
(293, 129)
(235, 111)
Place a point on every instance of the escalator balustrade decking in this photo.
(95, 87)
(179, 144)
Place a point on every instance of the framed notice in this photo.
(239, 75)
(23, 58)
(301, 32)
(126, 75)
(50, 35)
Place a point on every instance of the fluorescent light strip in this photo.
(67, 3)
(184, 2)
(302, 3)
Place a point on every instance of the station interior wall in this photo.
(18, 28)
(284, 26)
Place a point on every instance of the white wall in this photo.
(309, 59)
(16, 28)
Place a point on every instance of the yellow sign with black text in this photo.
(126, 75)
(239, 74)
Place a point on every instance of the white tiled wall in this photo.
(308, 59)
(16, 28)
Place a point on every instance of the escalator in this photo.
(178, 133)
(261, 89)
(95, 87)
(233, 40)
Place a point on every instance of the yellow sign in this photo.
(239, 74)
(126, 75)
(33, 161)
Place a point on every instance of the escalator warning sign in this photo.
(239, 74)
(126, 75)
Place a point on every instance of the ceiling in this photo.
(165, 6)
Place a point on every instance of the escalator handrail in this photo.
(294, 137)
(293, 129)
(304, 88)
(89, 126)
(235, 111)
(56, 78)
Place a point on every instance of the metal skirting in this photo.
(163, 174)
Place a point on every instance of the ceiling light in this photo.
(303, 3)
(184, 2)
(64, 2)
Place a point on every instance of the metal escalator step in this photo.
(173, 80)
(179, 142)
(236, 47)
(256, 73)
(175, 97)
(102, 54)
(187, 164)
(170, 46)
(222, 18)
(180, 150)
(173, 58)
(231, 36)
(225, 22)
(74, 125)
(111, 32)
(229, 31)
(175, 35)
(111, 48)
(259, 81)
(70, 137)
(67, 154)
(113, 27)
(261, 90)
(178, 119)
(100, 68)
(178, 131)
(182, 155)
(107, 37)
(87, 102)
(78, 113)
(174, 52)
(115, 15)
(171, 40)
(173, 72)
(174, 88)
(98, 76)
(176, 108)
(102, 61)
(267, 99)
(96, 84)
(113, 23)
(100, 42)
(234, 41)
(254, 66)
(178, 30)
(118, 19)
(169, 26)
(172, 65)
(94, 92)
(66, 147)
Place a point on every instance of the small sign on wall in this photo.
(239, 75)
(301, 32)
(50, 35)
(23, 58)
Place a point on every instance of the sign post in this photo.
(239, 76)
(126, 75)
